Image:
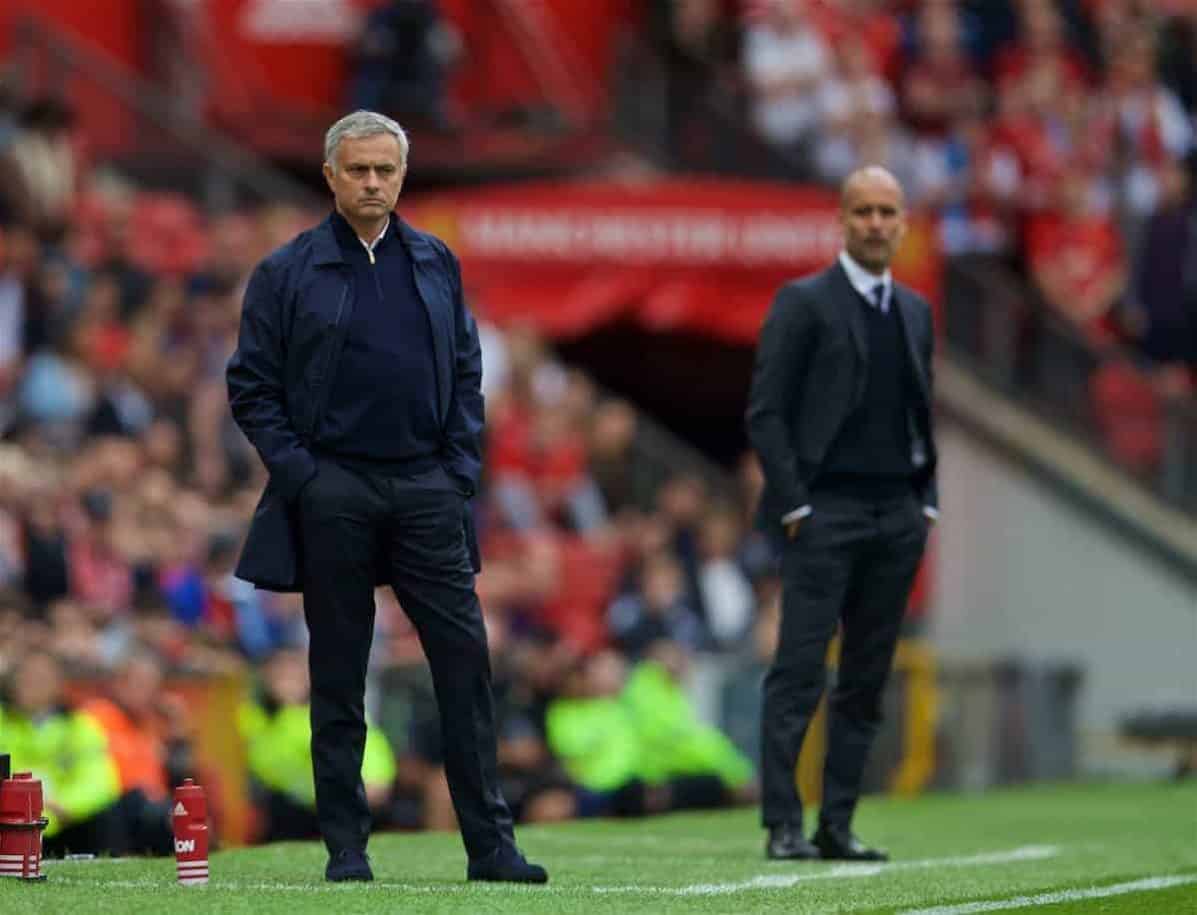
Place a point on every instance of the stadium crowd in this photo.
(1053, 140)
(1047, 136)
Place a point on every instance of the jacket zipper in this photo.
(318, 413)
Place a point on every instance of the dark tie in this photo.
(879, 297)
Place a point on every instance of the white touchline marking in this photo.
(1147, 884)
(685, 843)
(55, 862)
(237, 886)
(766, 882)
(840, 872)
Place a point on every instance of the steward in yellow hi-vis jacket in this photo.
(67, 751)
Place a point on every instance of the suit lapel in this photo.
(850, 307)
(909, 323)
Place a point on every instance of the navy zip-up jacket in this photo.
(382, 409)
(297, 310)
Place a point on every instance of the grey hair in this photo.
(363, 124)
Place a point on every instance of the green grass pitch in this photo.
(1078, 848)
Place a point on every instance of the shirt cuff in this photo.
(796, 515)
(931, 512)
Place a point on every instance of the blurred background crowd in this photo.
(1050, 139)
(1050, 143)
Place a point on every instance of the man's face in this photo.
(287, 678)
(138, 685)
(873, 216)
(36, 685)
(367, 177)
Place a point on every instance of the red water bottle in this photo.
(21, 824)
(191, 833)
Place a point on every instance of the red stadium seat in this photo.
(1129, 415)
(589, 575)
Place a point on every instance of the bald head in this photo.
(873, 217)
(869, 177)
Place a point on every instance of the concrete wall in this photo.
(1023, 573)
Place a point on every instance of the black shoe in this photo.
(839, 844)
(787, 843)
(348, 864)
(506, 866)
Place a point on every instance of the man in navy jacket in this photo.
(357, 377)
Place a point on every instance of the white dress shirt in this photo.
(371, 245)
(865, 282)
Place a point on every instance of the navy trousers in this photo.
(350, 522)
(851, 565)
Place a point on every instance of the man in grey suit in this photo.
(840, 415)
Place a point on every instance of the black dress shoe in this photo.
(838, 844)
(787, 843)
(506, 866)
(348, 864)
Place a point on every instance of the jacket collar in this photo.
(863, 281)
(327, 251)
(417, 243)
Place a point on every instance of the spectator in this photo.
(673, 742)
(941, 85)
(1151, 127)
(658, 609)
(148, 736)
(873, 21)
(494, 358)
(1041, 44)
(634, 745)
(857, 119)
(10, 108)
(970, 181)
(698, 49)
(44, 540)
(681, 503)
(740, 696)
(101, 575)
(116, 257)
(621, 476)
(19, 257)
(1077, 258)
(259, 622)
(76, 640)
(403, 58)
(57, 394)
(726, 592)
(45, 170)
(1166, 278)
(785, 59)
(80, 781)
(1178, 58)
(16, 473)
(1048, 127)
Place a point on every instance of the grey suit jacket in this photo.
(810, 374)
